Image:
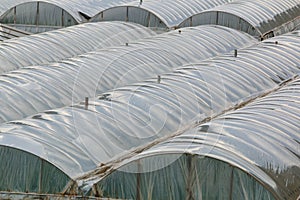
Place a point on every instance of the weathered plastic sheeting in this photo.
(34, 29)
(260, 18)
(65, 43)
(261, 140)
(193, 177)
(7, 32)
(80, 138)
(72, 7)
(35, 89)
(157, 14)
(30, 172)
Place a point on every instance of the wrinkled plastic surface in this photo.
(260, 139)
(77, 140)
(65, 43)
(35, 89)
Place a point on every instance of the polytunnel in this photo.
(39, 16)
(157, 15)
(248, 153)
(34, 89)
(260, 18)
(54, 46)
(83, 143)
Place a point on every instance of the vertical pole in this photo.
(138, 181)
(15, 14)
(62, 18)
(231, 185)
(235, 53)
(86, 103)
(191, 178)
(127, 10)
(254, 190)
(148, 19)
(37, 13)
(41, 177)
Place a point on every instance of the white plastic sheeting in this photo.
(65, 43)
(260, 18)
(78, 139)
(261, 139)
(157, 14)
(38, 88)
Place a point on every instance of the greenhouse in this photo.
(66, 145)
(260, 18)
(249, 153)
(39, 16)
(158, 15)
(34, 89)
(54, 46)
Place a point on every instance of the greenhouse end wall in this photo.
(132, 14)
(188, 177)
(37, 17)
(24, 172)
(262, 19)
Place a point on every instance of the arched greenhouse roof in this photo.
(192, 93)
(73, 7)
(80, 138)
(261, 139)
(34, 89)
(57, 45)
(260, 18)
(157, 14)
